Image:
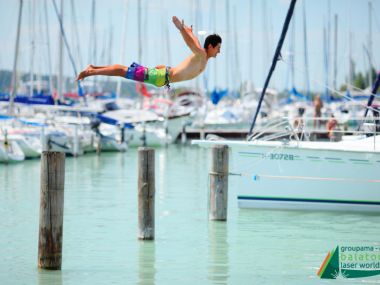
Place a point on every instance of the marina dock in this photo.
(197, 133)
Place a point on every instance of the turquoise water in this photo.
(100, 244)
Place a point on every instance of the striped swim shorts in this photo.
(158, 76)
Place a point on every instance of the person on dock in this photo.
(318, 105)
(332, 128)
(162, 75)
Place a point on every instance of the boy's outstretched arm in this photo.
(188, 36)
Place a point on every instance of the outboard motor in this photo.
(111, 106)
(94, 124)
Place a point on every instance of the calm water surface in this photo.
(100, 244)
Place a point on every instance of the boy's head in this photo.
(214, 40)
(212, 45)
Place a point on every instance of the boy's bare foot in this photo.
(84, 73)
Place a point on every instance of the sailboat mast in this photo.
(75, 37)
(307, 80)
(139, 30)
(48, 48)
(328, 44)
(265, 58)
(326, 55)
(198, 25)
(167, 40)
(60, 67)
(122, 49)
(93, 42)
(292, 51)
(214, 29)
(14, 74)
(33, 47)
(227, 40)
(350, 67)
(335, 50)
(370, 42)
(110, 44)
(236, 60)
(250, 38)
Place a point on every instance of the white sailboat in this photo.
(10, 151)
(143, 127)
(29, 142)
(26, 136)
(295, 174)
(341, 176)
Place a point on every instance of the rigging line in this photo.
(376, 20)
(64, 37)
(332, 89)
(312, 178)
(358, 89)
(76, 34)
(341, 94)
(276, 57)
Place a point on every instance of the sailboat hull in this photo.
(306, 176)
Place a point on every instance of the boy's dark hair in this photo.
(214, 40)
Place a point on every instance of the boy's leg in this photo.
(97, 67)
(110, 70)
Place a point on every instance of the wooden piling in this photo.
(219, 183)
(183, 134)
(51, 210)
(146, 193)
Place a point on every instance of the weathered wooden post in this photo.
(183, 134)
(146, 192)
(51, 210)
(219, 183)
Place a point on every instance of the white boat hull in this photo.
(111, 144)
(10, 152)
(30, 145)
(156, 133)
(311, 176)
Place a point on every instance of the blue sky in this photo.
(162, 44)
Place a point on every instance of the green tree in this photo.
(359, 81)
(369, 74)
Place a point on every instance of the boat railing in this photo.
(273, 130)
(298, 129)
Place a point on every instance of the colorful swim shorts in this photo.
(158, 76)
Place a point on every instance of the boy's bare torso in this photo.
(191, 67)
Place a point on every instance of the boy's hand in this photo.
(181, 25)
(177, 23)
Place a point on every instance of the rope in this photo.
(219, 173)
(361, 90)
(257, 176)
(341, 94)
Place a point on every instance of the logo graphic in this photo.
(351, 262)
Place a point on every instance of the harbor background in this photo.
(249, 28)
(100, 244)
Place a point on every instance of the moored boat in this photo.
(342, 176)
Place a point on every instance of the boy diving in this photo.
(163, 75)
